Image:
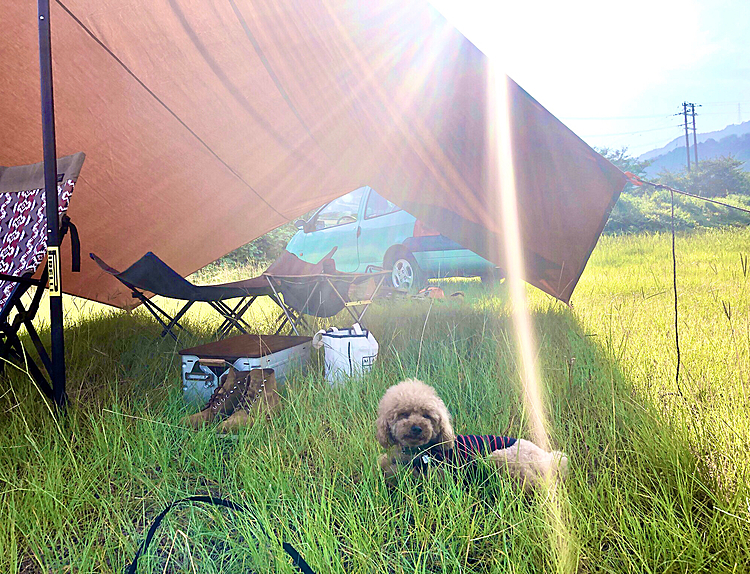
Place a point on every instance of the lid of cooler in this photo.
(252, 346)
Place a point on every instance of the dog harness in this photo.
(466, 448)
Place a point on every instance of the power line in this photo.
(606, 118)
(631, 133)
(726, 103)
(617, 118)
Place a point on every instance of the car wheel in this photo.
(405, 273)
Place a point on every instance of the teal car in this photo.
(371, 233)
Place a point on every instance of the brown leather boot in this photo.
(224, 399)
(261, 396)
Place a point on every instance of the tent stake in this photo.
(50, 186)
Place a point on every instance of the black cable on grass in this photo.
(297, 559)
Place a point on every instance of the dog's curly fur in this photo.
(413, 403)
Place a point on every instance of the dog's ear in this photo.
(384, 432)
(447, 437)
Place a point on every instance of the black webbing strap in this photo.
(297, 559)
(75, 241)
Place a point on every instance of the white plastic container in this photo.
(203, 366)
(348, 352)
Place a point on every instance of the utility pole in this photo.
(695, 136)
(687, 140)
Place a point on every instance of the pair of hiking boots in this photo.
(241, 396)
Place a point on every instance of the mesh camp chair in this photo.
(23, 244)
(298, 287)
(320, 289)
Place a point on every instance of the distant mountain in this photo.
(732, 130)
(733, 140)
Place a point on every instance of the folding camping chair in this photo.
(151, 275)
(326, 293)
(296, 286)
(23, 244)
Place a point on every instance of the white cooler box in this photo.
(203, 366)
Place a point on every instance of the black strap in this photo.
(75, 241)
(297, 559)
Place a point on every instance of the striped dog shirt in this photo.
(466, 448)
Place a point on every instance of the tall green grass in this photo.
(659, 478)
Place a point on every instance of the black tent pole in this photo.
(50, 186)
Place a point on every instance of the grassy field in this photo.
(660, 470)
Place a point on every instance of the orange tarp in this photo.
(206, 125)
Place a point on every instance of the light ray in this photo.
(500, 176)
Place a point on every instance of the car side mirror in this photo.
(300, 224)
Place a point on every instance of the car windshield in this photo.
(340, 211)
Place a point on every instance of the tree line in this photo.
(645, 209)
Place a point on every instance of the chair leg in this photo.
(224, 310)
(282, 305)
(36, 340)
(233, 316)
(293, 319)
(371, 298)
(154, 310)
(281, 320)
(238, 312)
(175, 322)
(226, 325)
(17, 352)
(348, 309)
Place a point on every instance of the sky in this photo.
(617, 72)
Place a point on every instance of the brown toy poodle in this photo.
(415, 426)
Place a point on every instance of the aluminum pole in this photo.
(50, 187)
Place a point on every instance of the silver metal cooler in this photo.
(203, 366)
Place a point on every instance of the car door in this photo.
(336, 225)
